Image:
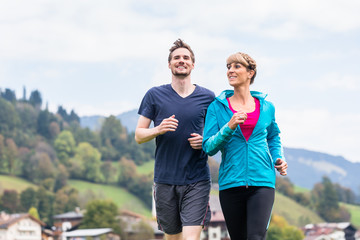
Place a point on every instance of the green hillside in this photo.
(355, 213)
(11, 182)
(293, 212)
(120, 196)
(146, 168)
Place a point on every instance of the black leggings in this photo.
(247, 211)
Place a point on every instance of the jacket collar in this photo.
(228, 93)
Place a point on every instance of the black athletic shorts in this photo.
(182, 205)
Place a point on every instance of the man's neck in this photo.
(182, 86)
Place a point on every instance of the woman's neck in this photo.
(242, 95)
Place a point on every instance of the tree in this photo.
(10, 201)
(73, 117)
(38, 167)
(2, 152)
(101, 214)
(8, 118)
(65, 146)
(9, 95)
(11, 155)
(61, 177)
(284, 186)
(28, 117)
(43, 123)
(45, 205)
(86, 163)
(327, 204)
(141, 186)
(54, 129)
(62, 112)
(86, 135)
(35, 99)
(143, 231)
(279, 229)
(65, 200)
(127, 170)
(34, 212)
(109, 172)
(114, 138)
(45, 168)
(112, 130)
(28, 199)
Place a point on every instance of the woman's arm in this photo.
(215, 138)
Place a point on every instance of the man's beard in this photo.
(177, 74)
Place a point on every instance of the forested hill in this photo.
(49, 148)
(306, 168)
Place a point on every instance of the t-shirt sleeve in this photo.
(146, 108)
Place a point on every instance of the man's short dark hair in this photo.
(181, 44)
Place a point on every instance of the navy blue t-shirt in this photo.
(176, 162)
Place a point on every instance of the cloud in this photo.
(337, 81)
(321, 130)
(78, 31)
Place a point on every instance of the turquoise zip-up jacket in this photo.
(244, 163)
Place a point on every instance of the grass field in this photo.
(293, 212)
(298, 189)
(10, 182)
(355, 213)
(146, 168)
(120, 196)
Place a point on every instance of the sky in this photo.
(100, 57)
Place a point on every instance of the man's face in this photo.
(181, 63)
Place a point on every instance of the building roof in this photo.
(87, 232)
(69, 215)
(6, 220)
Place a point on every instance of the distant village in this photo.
(20, 226)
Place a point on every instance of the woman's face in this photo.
(238, 74)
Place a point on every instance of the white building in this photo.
(20, 227)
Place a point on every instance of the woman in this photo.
(241, 124)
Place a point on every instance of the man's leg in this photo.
(178, 236)
(167, 210)
(192, 232)
(195, 209)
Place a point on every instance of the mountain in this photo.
(92, 122)
(127, 119)
(306, 168)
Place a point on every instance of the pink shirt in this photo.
(248, 126)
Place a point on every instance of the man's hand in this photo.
(168, 125)
(281, 166)
(195, 141)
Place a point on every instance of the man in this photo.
(181, 175)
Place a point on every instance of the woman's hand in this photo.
(236, 119)
(281, 166)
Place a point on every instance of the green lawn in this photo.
(293, 212)
(355, 213)
(298, 189)
(11, 182)
(146, 168)
(120, 196)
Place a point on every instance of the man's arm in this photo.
(144, 134)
